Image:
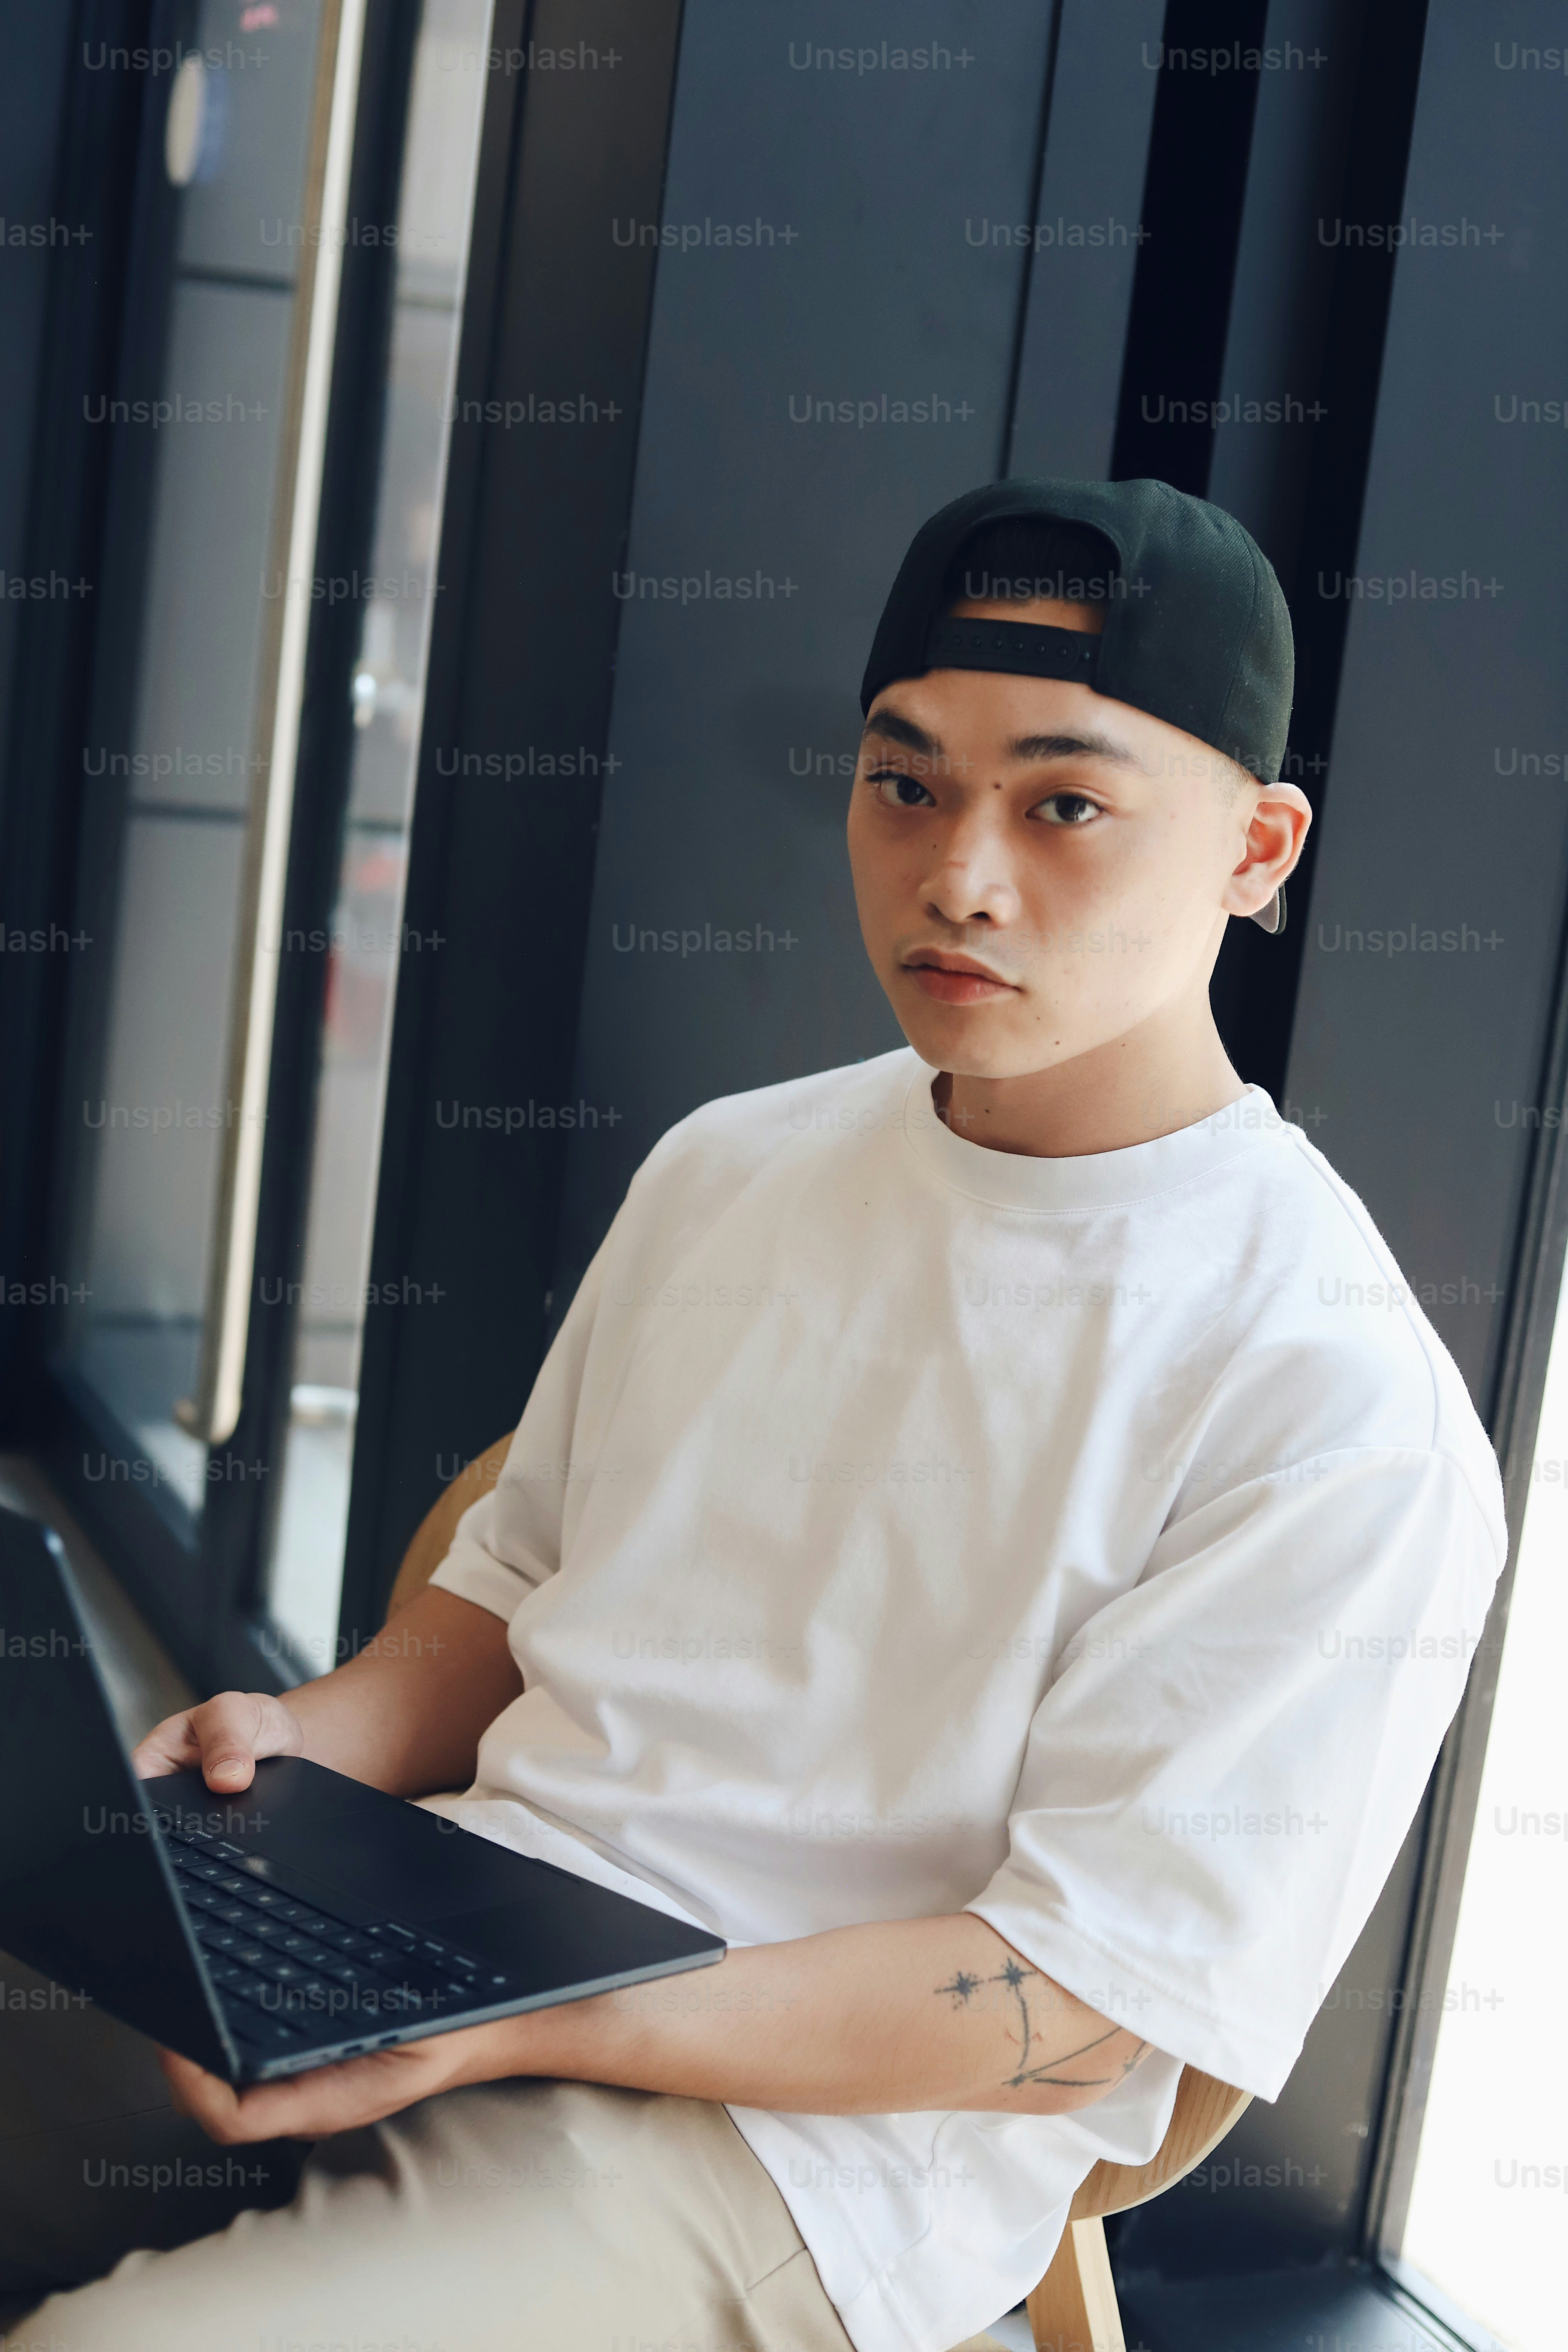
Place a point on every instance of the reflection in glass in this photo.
(368, 939)
(174, 797)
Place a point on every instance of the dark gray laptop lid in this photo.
(87, 1892)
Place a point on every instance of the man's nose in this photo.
(971, 877)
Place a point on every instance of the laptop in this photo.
(310, 1919)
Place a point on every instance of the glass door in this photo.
(187, 797)
(213, 600)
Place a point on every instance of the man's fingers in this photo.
(234, 1729)
(225, 1736)
(170, 1747)
(230, 1769)
(207, 2100)
(230, 2117)
(328, 2099)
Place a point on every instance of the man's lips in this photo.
(956, 979)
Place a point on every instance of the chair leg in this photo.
(1073, 2308)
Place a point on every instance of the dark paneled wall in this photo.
(1436, 912)
(1088, 232)
(888, 273)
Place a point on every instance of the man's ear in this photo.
(1275, 833)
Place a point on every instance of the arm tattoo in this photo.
(962, 1987)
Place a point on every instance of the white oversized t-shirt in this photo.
(899, 1527)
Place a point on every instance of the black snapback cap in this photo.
(1196, 631)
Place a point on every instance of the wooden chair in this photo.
(1073, 2308)
(432, 1536)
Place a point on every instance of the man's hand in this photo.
(406, 1714)
(225, 1736)
(340, 2098)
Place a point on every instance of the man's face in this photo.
(1039, 869)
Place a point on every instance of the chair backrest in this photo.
(1204, 2113)
(1205, 2109)
(433, 1536)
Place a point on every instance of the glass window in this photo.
(170, 805)
(1492, 2171)
(368, 939)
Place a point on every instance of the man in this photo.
(929, 1558)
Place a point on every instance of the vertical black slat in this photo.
(1257, 979)
(1276, 341)
(76, 358)
(1192, 208)
(240, 1519)
(522, 656)
(1393, 39)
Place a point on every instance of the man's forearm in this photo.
(911, 2016)
(407, 1713)
(892, 2018)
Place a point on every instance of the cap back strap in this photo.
(1021, 648)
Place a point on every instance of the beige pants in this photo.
(509, 2217)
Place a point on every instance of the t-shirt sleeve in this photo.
(1217, 1782)
(508, 1542)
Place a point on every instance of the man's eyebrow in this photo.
(900, 730)
(1073, 747)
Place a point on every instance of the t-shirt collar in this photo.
(1102, 1179)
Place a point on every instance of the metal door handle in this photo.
(214, 1410)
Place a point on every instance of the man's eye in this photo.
(1068, 808)
(899, 790)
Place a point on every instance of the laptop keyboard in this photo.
(285, 1971)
